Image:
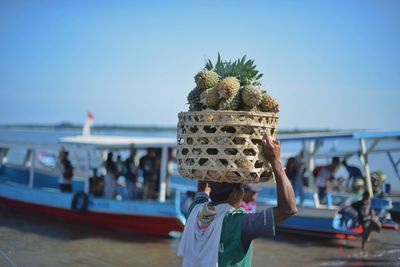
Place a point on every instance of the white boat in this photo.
(33, 186)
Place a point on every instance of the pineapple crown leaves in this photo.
(243, 69)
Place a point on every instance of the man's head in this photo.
(226, 193)
(152, 152)
(359, 184)
(63, 154)
(250, 192)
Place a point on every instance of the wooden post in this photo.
(163, 173)
(86, 179)
(32, 168)
(28, 156)
(364, 163)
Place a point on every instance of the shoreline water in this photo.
(29, 240)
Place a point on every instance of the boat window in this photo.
(46, 159)
(15, 156)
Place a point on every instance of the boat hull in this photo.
(157, 225)
(44, 198)
(320, 222)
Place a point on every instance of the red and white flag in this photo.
(88, 123)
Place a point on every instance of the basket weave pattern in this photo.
(224, 146)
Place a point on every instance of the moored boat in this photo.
(33, 189)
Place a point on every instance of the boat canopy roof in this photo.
(117, 142)
(124, 142)
(339, 135)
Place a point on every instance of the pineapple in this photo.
(228, 87)
(206, 79)
(212, 97)
(237, 100)
(251, 96)
(269, 104)
(248, 108)
(194, 100)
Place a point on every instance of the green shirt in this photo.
(231, 251)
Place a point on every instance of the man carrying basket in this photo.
(220, 233)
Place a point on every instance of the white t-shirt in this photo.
(323, 176)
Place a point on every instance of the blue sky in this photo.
(331, 64)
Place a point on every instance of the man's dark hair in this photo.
(220, 191)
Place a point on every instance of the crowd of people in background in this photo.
(327, 180)
(118, 178)
(123, 175)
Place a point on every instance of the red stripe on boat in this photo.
(157, 225)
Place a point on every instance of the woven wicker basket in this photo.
(224, 146)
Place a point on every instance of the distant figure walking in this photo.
(110, 182)
(66, 172)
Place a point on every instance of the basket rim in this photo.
(229, 112)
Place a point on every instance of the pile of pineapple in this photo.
(228, 85)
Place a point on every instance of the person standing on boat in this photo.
(358, 188)
(110, 179)
(120, 165)
(131, 174)
(354, 174)
(220, 232)
(295, 171)
(66, 172)
(149, 165)
(325, 180)
(96, 184)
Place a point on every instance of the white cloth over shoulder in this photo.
(200, 240)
